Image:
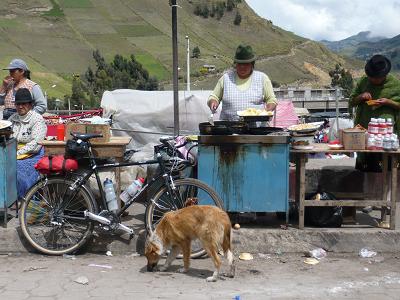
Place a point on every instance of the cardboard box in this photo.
(354, 139)
(103, 129)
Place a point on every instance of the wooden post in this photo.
(393, 193)
(384, 185)
(302, 187)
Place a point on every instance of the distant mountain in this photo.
(388, 47)
(362, 46)
(351, 42)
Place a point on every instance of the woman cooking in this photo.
(242, 87)
(29, 128)
(19, 77)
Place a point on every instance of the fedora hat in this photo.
(23, 96)
(377, 66)
(244, 54)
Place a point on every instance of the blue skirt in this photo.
(27, 174)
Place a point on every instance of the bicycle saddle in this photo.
(85, 136)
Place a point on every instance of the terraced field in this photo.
(57, 39)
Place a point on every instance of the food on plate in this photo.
(335, 146)
(301, 143)
(372, 102)
(302, 127)
(254, 112)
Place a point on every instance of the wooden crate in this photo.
(103, 129)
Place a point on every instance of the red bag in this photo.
(56, 164)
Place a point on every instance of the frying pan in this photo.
(223, 128)
(264, 130)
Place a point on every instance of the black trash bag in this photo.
(323, 216)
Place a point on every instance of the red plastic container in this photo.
(60, 132)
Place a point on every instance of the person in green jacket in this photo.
(383, 87)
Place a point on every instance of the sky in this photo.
(331, 20)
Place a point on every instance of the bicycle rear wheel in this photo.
(52, 221)
(187, 189)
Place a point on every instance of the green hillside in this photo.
(57, 38)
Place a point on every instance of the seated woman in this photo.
(28, 129)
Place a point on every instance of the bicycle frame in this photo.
(95, 168)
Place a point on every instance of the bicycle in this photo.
(59, 212)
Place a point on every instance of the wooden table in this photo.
(388, 178)
(115, 148)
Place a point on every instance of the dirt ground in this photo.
(267, 276)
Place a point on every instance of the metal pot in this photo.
(223, 128)
(264, 130)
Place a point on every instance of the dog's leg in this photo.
(231, 263)
(170, 258)
(217, 263)
(186, 250)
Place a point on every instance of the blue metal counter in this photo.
(249, 172)
(8, 175)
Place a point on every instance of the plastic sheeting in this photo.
(153, 112)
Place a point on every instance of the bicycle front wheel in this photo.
(53, 221)
(186, 190)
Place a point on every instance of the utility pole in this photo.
(175, 64)
(188, 65)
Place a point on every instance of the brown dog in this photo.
(176, 230)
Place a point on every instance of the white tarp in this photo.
(153, 111)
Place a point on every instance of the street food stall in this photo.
(8, 168)
(247, 164)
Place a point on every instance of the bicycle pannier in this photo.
(56, 164)
(76, 149)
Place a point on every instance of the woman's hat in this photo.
(23, 96)
(377, 66)
(244, 54)
(17, 64)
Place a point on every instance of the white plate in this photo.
(303, 147)
(5, 124)
(335, 146)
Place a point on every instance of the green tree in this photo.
(238, 19)
(121, 73)
(230, 5)
(342, 78)
(196, 52)
(220, 10)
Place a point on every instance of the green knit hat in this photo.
(244, 54)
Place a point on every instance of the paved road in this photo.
(267, 277)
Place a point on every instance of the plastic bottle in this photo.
(60, 130)
(378, 142)
(371, 142)
(373, 126)
(389, 125)
(395, 142)
(132, 189)
(387, 143)
(382, 128)
(111, 198)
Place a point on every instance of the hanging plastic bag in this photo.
(325, 216)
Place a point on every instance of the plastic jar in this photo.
(371, 142)
(389, 125)
(379, 142)
(387, 143)
(382, 128)
(373, 126)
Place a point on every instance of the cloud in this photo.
(332, 19)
